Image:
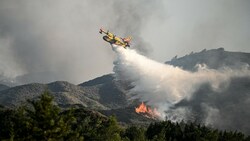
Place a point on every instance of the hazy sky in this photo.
(48, 40)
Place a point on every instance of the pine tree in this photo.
(135, 133)
(44, 121)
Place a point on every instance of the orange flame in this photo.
(147, 111)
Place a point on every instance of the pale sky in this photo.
(49, 40)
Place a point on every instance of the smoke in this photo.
(192, 26)
(133, 16)
(44, 41)
(177, 93)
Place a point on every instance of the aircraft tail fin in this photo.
(128, 39)
(101, 30)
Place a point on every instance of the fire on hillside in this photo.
(147, 111)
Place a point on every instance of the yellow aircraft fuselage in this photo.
(112, 39)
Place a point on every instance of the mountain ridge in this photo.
(214, 59)
(64, 93)
(110, 96)
(3, 87)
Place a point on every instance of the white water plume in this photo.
(163, 85)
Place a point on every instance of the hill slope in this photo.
(109, 96)
(226, 109)
(64, 93)
(215, 59)
(3, 87)
(223, 109)
(107, 90)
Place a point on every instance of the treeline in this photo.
(42, 120)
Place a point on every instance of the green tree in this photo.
(44, 121)
(7, 117)
(93, 126)
(135, 133)
(109, 130)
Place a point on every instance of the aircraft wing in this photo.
(111, 35)
(113, 39)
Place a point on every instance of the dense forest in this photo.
(43, 120)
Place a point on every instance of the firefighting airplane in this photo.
(113, 39)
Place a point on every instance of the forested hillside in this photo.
(42, 120)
